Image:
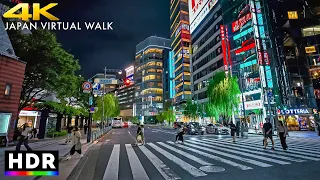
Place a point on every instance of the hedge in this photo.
(56, 134)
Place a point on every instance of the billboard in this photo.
(198, 10)
(129, 71)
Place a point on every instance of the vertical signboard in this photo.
(224, 48)
(228, 47)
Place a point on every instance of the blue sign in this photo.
(96, 86)
(90, 100)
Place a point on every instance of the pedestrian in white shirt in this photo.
(23, 138)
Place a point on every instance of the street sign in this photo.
(90, 100)
(87, 86)
(96, 92)
(86, 91)
(108, 81)
(92, 110)
(96, 86)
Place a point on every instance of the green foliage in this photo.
(160, 118)
(190, 109)
(135, 120)
(56, 134)
(223, 92)
(49, 67)
(169, 116)
(111, 107)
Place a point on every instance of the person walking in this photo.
(69, 133)
(233, 129)
(267, 132)
(23, 138)
(139, 135)
(76, 143)
(282, 133)
(179, 135)
(85, 127)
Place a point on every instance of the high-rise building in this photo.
(148, 75)
(168, 79)
(180, 45)
(125, 94)
(205, 20)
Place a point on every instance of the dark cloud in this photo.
(133, 21)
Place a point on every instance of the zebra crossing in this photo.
(204, 157)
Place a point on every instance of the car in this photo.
(217, 129)
(116, 124)
(195, 128)
(125, 124)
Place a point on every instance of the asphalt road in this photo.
(204, 157)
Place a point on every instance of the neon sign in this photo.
(238, 24)
(224, 49)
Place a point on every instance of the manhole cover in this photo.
(212, 168)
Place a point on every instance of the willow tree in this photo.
(111, 107)
(190, 109)
(223, 92)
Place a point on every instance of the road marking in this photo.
(137, 169)
(112, 169)
(112, 132)
(164, 170)
(184, 165)
(226, 149)
(257, 163)
(256, 150)
(189, 156)
(242, 167)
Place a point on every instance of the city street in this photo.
(200, 157)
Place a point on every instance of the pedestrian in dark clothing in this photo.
(179, 136)
(233, 129)
(267, 131)
(85, 127)
(23, 138)
(282, 132)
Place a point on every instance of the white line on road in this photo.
(113, 164)
(164, 170)
(137, 169)
(251, 161)
(112, 132)
(189, 156)
(243, 167)
(184, 165)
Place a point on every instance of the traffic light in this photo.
(127, 82)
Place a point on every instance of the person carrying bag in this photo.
(76, 143)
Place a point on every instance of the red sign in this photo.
(224, 48)
(245, 48)
(238, 24)
(86, 86)
(229, 47)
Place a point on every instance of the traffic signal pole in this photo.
(90, 118)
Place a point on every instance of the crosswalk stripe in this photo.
(137, 169)
(246, 149)
(164, 170)
(237, 152)
(112, 169)
(189, 156)
(315, 154)
(255, 147)
(184, 165)
(257, 163)
(242, 167)
(307, 155)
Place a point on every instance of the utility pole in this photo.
(90, 117)
(103, 93)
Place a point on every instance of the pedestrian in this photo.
(267, 132)
(69, 133)
(76, 143)
(282, 132)
(23, 138)
(233, 129)
(139, 135)
(85, 127)
(179, 136)
(143, 135)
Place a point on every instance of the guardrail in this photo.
(98, 134)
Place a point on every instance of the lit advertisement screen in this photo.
(198, 10)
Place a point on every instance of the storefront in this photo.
(303, 119)
(30, 117)
(254, 113)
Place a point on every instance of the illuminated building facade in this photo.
(296, 24)
(248, 54)
(205, 20)
(125, 94)
(180, 37)
(148, 75)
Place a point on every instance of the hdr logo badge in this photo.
(37, 11)
(32, 163)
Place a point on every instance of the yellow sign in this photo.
(310, 49)
(292, 14)
(37, 11)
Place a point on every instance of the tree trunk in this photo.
(81, 121)
(76, 121)
(58, 125)
(43, 123)
(69, 120)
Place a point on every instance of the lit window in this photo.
(7, 90)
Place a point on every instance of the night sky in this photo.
(133, 21)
